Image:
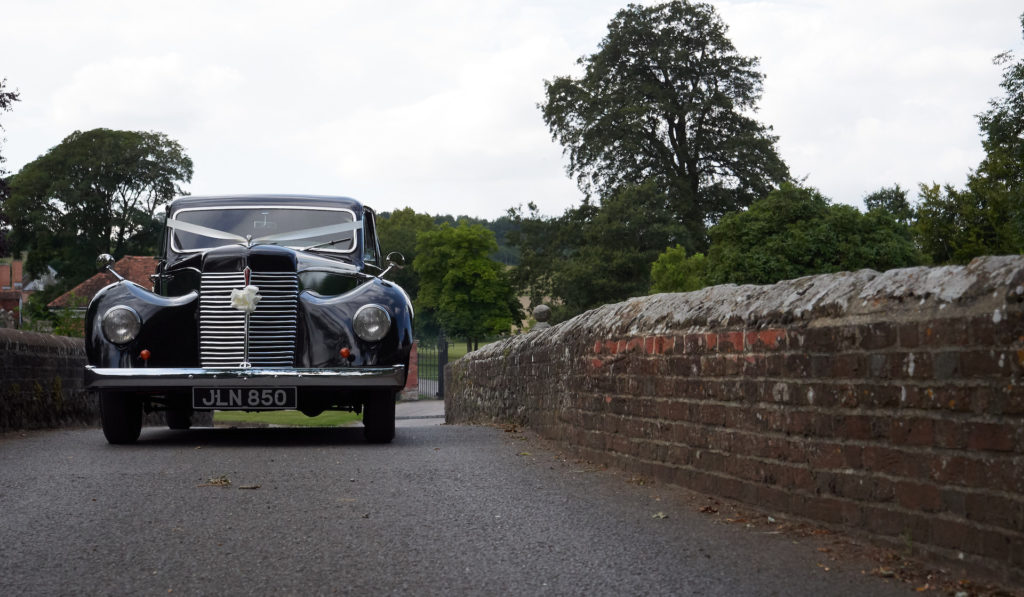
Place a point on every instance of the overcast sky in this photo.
(433, 104)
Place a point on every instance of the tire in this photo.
(121, 416)
(179, 418)
(379, 417)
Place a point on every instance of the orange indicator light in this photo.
(144, 355)
(345, 353)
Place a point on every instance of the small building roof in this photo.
(133, 267)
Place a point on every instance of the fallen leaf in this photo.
(524, 454)
(709, 510)
(248, 486)
(660, 515)
(221, 481)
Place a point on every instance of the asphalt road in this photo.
(443, 510)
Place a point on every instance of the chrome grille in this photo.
(271, 327)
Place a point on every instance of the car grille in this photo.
(271, 327)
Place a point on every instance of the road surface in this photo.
(444, 510)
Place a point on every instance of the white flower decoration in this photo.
(245, 299)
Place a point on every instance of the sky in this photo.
(433, 105)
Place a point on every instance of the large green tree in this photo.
(796, 231)
(987, 216)
(667, 98)
(595, 254)
(675, 271)
(7, 99)
(461, 288)
(96, 192)
(398, 231)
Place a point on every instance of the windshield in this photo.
(299, 227)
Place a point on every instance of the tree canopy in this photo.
(7, 99)
(593, 255)
(667, 98)
(398, 231)
(675, 271)
(796, 231)
(461, 288)
(987, 217)
(96, 192)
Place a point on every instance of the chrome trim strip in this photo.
(174, 216)
(157, 377)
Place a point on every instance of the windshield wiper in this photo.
(330, 243)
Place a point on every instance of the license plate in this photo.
(244, 398)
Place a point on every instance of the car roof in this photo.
(297, 200)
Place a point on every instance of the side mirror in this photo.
(395, 261)
(105, 262)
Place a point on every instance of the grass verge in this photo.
(330, 418)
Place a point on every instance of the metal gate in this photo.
(431, 359)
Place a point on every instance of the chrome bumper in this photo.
(162, 378)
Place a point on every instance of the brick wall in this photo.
(41, 384)
(888, 403)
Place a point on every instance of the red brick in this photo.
(949, 434)
(988, 363)
(730, 342)
(995, 437)
(946, 332)
(696, 343)
(919, 496)
(770, 339)
(887, 460)
(912, 431)
(909, 335)
(996, 510)
(878, 336)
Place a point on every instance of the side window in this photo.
(370, 248)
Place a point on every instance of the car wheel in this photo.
(379, 417)
(178, 418)
(121, 416)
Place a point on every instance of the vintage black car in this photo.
(262, 302)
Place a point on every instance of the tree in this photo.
(999, 179)
(986, 217)
(795, 232)
(96, 192)
(674, 271)
(893, 201)
(464, 290)
(7, 99)
(667, 98)
(398, 231)
(593, 255)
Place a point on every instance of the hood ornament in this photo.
(245, 299)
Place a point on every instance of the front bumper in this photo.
(97, 378)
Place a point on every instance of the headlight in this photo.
(121, 324)
(372, 322)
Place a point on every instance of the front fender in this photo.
(326, 327)
(168, 328)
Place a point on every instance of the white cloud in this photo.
(138, 92)
(432, 105)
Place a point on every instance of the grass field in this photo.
(330, 418)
